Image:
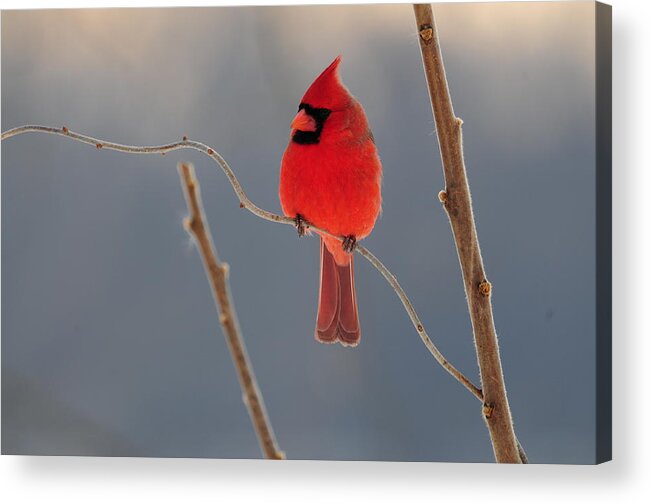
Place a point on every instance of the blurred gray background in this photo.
(110, 339)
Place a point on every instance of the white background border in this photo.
(627, 479)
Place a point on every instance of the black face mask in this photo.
(311, 137)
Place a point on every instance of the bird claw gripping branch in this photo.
(301, 228)
(349, 243)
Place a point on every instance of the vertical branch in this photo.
(457, 203)
(217, 273)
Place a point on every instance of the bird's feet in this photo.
(301, 228)
(349, 243)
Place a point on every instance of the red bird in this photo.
(331, 176)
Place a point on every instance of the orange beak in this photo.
(303, 122)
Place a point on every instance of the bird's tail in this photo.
(337, 318)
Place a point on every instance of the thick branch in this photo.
(245, 202)
(457, 202)
(217, 273)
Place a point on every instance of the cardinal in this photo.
(331, 177)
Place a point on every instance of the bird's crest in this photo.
(327, 91)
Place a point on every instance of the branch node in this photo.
(65, 130)
(190, 224)
(488, 410)
(426, 33)
(443, 197)
(185, 138)
(485, 288)
(241, 205)
(226, 269)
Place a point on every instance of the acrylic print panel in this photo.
(111, 343)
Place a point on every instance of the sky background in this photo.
(110, 339)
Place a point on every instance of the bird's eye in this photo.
(319, 114)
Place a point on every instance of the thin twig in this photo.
(457, 202)
(217, 273)
(245, 202)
